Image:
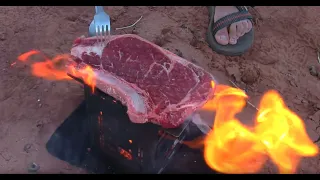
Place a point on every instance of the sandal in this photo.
(244, 42)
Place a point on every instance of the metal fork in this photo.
(100, 26)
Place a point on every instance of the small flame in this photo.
(58, 67)
(279, 133)
(125, 154)
(24, 57)
(195, 144)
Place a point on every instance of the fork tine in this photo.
(109, 28)
(101, 33)
(105, 32)
(98, 32)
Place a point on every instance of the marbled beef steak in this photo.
(156, 85)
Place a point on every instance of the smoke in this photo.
(204, 119)
(202, 123)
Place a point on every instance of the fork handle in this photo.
(99, 9)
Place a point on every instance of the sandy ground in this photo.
(31, 109)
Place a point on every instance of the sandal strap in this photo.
(242, 8)
(232, 18)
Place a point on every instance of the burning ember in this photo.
(278, 133)
(230, 147)
(58, 67)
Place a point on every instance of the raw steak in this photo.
(156, 85)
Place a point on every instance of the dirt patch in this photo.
(31, 108)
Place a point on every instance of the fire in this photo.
(25, 56)
(125, 154)
(278, 134)
(58, 68)
(230, 147)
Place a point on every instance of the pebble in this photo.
(134, 31)
(305, 102)
(233, 71)
(179, 53)
(33, 167)
(297, 101)
(2, 36)
(194, 61)
(293, 83)
(27, 147)
(165, 31)
(250, 75)
(315, 117)
(159, 41)
(313, 71)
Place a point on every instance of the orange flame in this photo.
(58, 67)
(125, 154)
(278, 133)
(231, 147)
(25, 56)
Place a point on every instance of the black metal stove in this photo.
(138, 148)
(99, 137)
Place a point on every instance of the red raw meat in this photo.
(156, 85)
